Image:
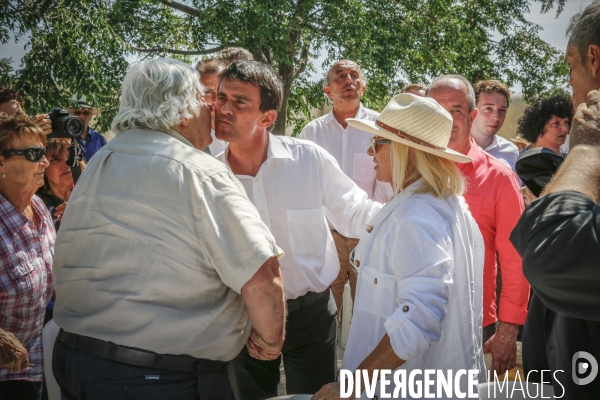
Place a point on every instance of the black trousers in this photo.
(84, 376)
(20, 390)
(309, 355)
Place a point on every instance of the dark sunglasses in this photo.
(375, 142)
(33, 154)
(86, 113)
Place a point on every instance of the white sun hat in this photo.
(415, 121)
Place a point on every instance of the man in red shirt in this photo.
(493, 197)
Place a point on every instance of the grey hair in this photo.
(584, 29)
(465, 81)
(362, 75)
(158, 94)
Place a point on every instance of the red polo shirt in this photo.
(493, 196)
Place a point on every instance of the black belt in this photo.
(140, 358)
(306, 300)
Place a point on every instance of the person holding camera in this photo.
(90, 140)
(11, 103)
(27, 239)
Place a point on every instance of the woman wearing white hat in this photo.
(420, 261)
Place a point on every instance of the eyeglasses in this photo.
(86, 113)
(33, 154)
(375, 142)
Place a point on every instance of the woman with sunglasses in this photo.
(27, 239)
(419, 261)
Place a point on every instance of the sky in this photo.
(553, 32)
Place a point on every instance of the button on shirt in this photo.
(496, 204)
(349, 147)
(155, 246)
(420, 281)
(295, 188)
(26, 284)
(503, 150)
(93, 142)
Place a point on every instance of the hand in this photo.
(528, 197)
(13, 356)
(503, 346)
(59, 211)
(585, 128)
(331, 391)
(43, 122)
(259, 352)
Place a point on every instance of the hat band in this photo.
(406, 136)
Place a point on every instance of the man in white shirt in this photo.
(492, 98)
(209, 76)
(295, 185)
(345, 83)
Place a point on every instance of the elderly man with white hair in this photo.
(164, 269)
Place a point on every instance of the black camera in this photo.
(64, 125)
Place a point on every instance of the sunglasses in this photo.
(375, 142)
(33, 154)
(86, 113)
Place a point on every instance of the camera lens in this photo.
(74, 126)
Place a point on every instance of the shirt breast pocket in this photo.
(474, 203)
(363, 168)
(308, 238)
(380, 290)
(24, 277)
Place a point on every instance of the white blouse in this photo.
(420, 280)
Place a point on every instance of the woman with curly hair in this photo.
(546, 123)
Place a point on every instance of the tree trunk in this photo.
(286, 73)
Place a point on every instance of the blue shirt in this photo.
(93, 143)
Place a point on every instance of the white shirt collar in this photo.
(361, 113)
(494, 144)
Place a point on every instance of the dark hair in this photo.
(533, 121)
(18, 126)
(211, 66)
(260, 75)
(414, 86)
(232, 54)
(7, 95)
(584, 29)
(491, 86)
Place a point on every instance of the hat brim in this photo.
(371, 127)
(95, 111)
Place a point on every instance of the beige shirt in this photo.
(155, 246)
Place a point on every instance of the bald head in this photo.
(341, 65)
(457, 82)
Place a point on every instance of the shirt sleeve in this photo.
(514, 297)
(347, 206)
(558, 237)
(237, 242)
(421, 257)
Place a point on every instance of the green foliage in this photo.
(84, 47)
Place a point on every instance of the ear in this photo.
(593, 59)
(184, 122)
(269, 118)
(473, 115)
(327, 91)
